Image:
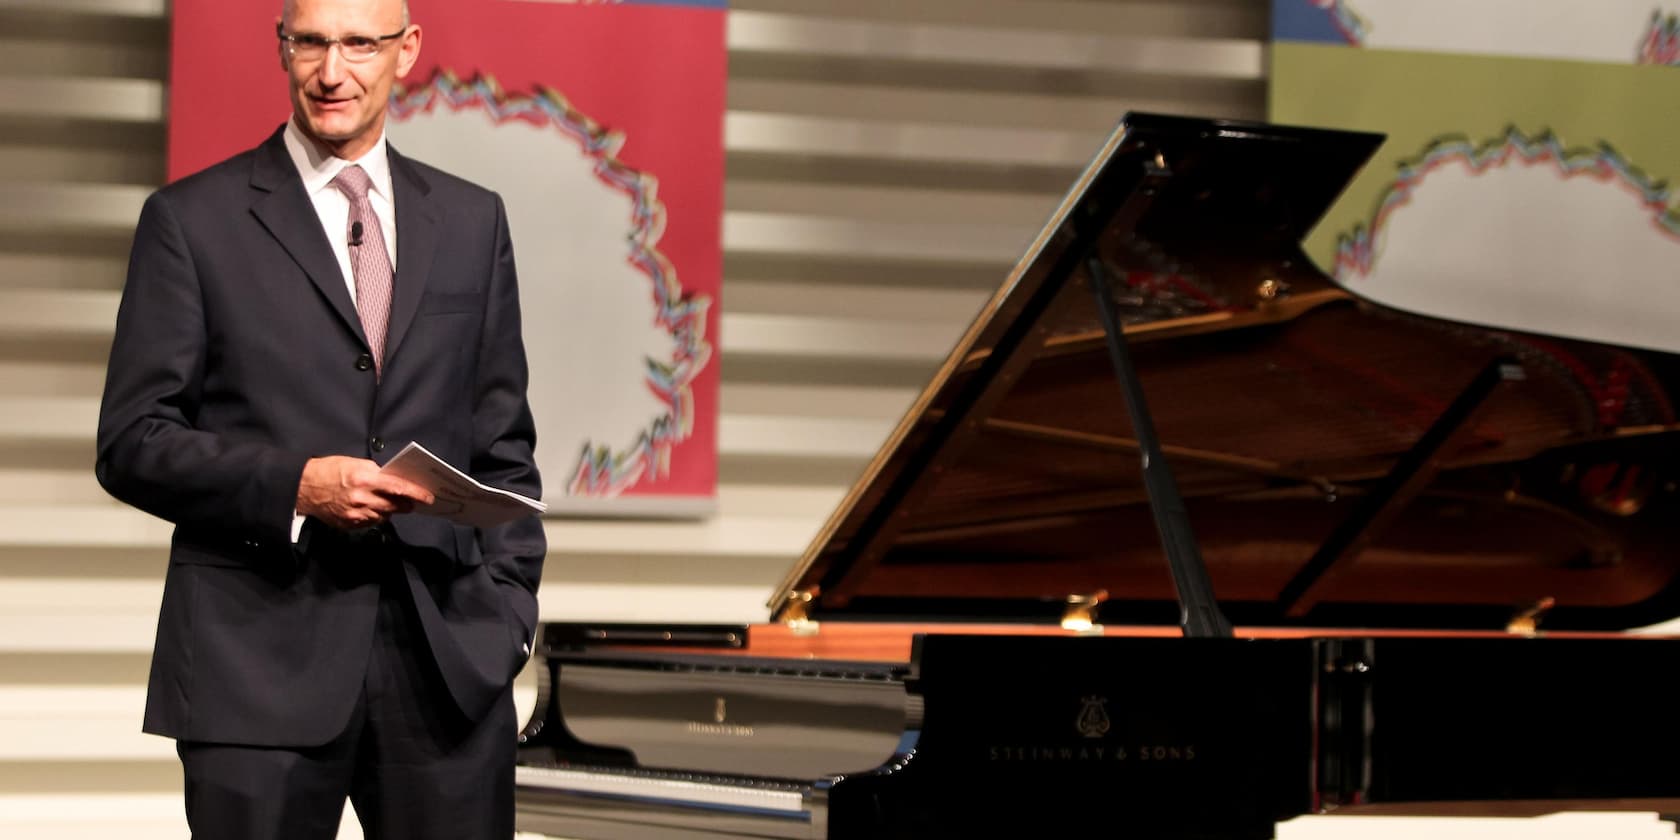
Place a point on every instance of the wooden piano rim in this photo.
(884, 642)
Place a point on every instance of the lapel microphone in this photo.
(355, 233)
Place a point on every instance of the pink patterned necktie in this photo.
(369, 261)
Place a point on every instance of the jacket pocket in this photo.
(228, 552)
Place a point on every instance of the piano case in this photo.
(1182, 540)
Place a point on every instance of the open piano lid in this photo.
(1342, 464)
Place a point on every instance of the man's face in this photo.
(338, 102)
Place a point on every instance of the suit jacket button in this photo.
(377, 444)
(364, 362)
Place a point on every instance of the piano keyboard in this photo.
(784, 799)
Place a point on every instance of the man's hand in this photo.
(350, 493)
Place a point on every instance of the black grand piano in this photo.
(1183, 540)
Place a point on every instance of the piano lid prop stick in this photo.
(1199, 613)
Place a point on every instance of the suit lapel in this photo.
(286, 211)
(418, 222)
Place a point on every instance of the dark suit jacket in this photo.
(237, 356)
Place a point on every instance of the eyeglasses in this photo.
(310, 47)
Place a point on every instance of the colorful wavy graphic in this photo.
(1601, 31)
(1352, 27)
(1356, 249)
(1661, 44)
(601, 470)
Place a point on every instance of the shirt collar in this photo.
(318, 168)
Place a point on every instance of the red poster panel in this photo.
(601, 125)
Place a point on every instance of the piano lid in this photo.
(1342, 464)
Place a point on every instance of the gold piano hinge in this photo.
(1527, 621)
(1081, 613)
(796, 613)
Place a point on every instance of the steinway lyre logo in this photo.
(719, 725)
(1093, 717)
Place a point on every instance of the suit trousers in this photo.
(413, 767)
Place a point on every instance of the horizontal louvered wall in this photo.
(886, 162)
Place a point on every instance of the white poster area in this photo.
(598, 348)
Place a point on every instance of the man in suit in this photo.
(292, 317)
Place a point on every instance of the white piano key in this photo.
(667, 790)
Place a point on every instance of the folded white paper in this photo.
(460, 498)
